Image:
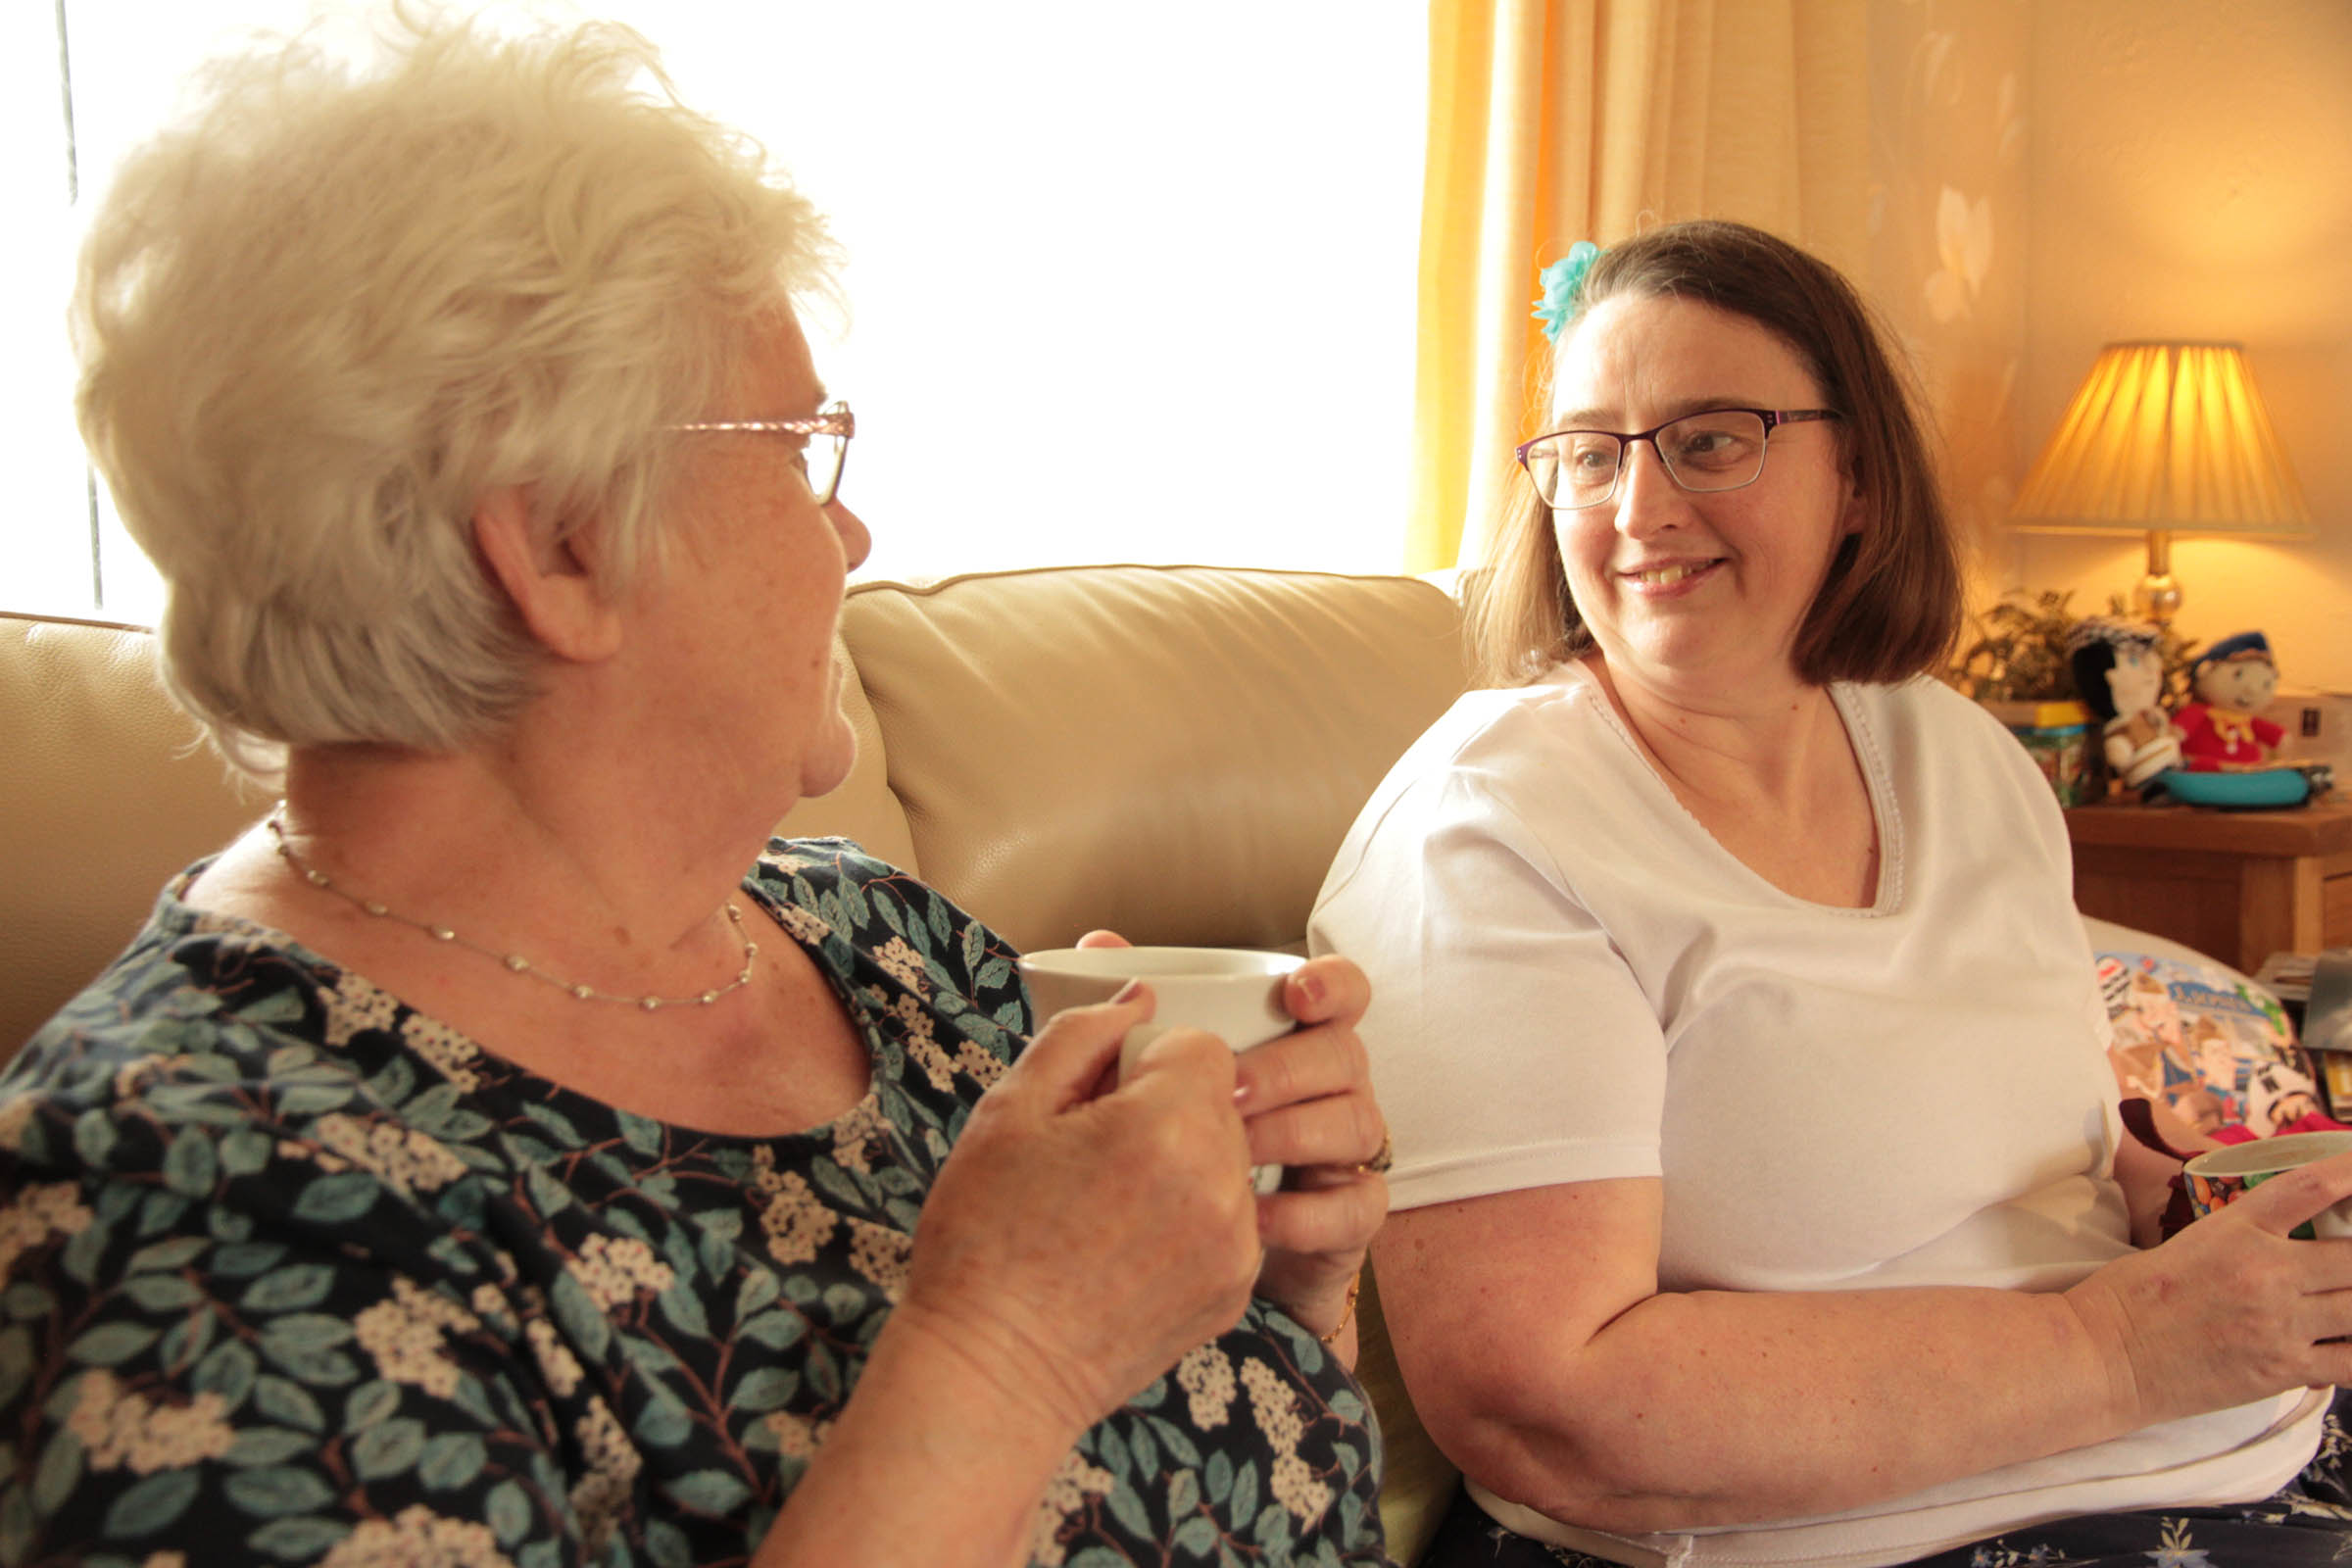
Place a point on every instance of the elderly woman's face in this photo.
(1696, 591)
(739, 625)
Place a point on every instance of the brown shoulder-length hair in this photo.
(1891, 604)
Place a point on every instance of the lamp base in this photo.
(2157, 598)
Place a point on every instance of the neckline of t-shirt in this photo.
(184, 920)
(1580, 683)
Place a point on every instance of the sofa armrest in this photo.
(108, 790)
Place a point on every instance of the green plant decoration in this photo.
(2018, 654)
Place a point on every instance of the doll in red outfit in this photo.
(2223, 730)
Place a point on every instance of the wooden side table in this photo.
(2238, 885)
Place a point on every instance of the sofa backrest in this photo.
(1173, 753)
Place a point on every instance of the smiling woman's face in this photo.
(1695, 594)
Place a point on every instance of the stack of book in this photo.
(2315, 989)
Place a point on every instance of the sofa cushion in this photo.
(1417, 1480)
(1173, 753)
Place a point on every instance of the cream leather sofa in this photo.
(1173, 753)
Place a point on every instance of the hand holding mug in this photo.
(1316, 1136)
(2219, 1177)
(1307, 1099)
(1231, 993)
(1078, 1243)
(2232, 1309)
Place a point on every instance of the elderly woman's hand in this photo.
(1082, 1238)
(1307, 1099)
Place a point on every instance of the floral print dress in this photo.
(290, 1272)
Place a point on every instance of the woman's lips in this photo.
(1668, 577)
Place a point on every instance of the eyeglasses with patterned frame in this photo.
(1711, 450)
(820, 460)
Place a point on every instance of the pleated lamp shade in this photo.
(2165, 438)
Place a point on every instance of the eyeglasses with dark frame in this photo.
(822, 460)
(1712, 449)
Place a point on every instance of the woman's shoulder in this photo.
(1927, 717)
(1953, 768)
(895, 939)
(811, 870)
(1504, 732)
(1922, 699)
(1533, 767)
(209, 1051)
(830, 887)
(194, 993)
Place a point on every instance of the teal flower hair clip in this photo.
(1563, 280)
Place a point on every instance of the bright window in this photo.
(46, 546)
(1127, 283)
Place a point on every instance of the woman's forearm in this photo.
(1544, 1357)
(1589, 1394)
(1721, 1407)
(932, 1461)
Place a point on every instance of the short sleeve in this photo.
(1511, 1044)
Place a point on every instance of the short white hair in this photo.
(325, 314)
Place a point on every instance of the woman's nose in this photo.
(857, 542)
(1647, 498)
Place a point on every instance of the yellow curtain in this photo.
(1555, 120)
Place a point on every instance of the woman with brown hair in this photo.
(1762, 1190)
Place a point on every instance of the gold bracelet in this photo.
(1347, 1312)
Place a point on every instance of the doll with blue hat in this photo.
(2223, 730)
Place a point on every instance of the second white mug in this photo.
(1231, 993)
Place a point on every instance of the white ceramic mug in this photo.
(1231, 993)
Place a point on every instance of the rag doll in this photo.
(2120, 677)
(2223, 730)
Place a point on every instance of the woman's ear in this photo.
(1855, 516)
(547, 579)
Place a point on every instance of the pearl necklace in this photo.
(515, 962)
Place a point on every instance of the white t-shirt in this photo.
(1571, 980)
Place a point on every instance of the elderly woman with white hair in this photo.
(506, 1153)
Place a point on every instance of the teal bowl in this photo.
(2245, 792)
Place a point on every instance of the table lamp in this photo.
(2164, 438)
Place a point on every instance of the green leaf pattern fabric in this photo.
(290, 1272)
